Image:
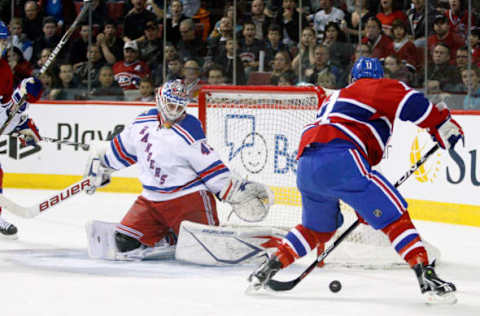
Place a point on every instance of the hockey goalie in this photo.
(180, 174)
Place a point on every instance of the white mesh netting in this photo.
(256, 131)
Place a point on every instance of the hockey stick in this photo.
(288, 285)
(45, 204)
(48, 62)
(58, 141)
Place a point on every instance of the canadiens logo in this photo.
(428, 172)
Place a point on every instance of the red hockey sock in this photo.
(407, 242)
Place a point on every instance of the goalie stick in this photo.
(45, 204)
(49, 61)
(288, 285)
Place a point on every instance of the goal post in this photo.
(256, 131)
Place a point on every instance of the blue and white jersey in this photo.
(172, 161)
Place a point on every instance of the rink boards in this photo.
(445, 189)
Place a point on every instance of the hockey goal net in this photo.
(256, 131)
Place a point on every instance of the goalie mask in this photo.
(172, 100)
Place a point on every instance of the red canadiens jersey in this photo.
(128, 76)
(6, 82)
(364, 112)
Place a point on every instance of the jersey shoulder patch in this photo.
(190, 129)
(148, 116)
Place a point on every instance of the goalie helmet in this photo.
(172, 100)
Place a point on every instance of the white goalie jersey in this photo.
(172, 161)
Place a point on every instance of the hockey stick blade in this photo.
(288, 285)
(45, 204)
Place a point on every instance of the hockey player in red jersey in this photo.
(20, 124)
(336, 155)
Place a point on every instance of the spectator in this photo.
(68, 82)
(340, 51)
(398, 71)
(284, 80)
(190, 7)
(382, 45)
(457, 15)
(403, 47)
(48, 82)
(215, 76)
(42, 58)
(62, 11)
(416, 19)
(105, 87)
(173, 21)
(129, 71)
(190, 46)
(49, 38)
(151, 49)
(326, 80)
(20, 67)
(273, 45)
(95, 62)
(388, 13)
(435, 94)
(306, 51)
(175, 69)
(250, 48)
(322, 64)
(228, 13)
(470, 79)
(475, 44)
(260, 20)
(135, 21)
(146, 90)
(191, 75)
(282, 66)
(157, 72)
(217, 41)
(355, 22)
(440, 68)
(441, 28)
(110, 45)
(19, 39)
(461, 58)
(32, 25)
(328, 13)
(78, 48)
(225, 60)
(288, 20)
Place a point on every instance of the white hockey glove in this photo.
(448, 133)
(97, 171)
(27, 132)
(250, 200)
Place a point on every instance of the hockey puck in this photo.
(335, 286)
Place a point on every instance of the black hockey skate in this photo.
(259, 278)
(8, 230)
(435, 289)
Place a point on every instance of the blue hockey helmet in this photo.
(366, 67)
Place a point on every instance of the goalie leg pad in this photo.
(101, 240)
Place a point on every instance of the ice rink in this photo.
(47, 272)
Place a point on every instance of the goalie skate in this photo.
(7, 230)
(435, 290)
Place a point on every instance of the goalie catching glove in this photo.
(97, 171)
(250, 200)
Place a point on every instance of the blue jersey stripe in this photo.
(117, 155)
(297, 244)
(405, 241)
(182, 136)
(213, 165)
(214, 174)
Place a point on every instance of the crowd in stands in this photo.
(130, 52)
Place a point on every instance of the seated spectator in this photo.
(19, 39)
(173, 21)
(435, 93)
(321, 65)
(215, 76)
(20, 67)
(151, 49)
(440, 69)
(273, 45)
(284, 80)
(174, 69)
(306, 50)
(225, 60)
(157, 72)
(78, 48)
(442, 34)
(471, 80)
(340, 51)
(258, 17)
(461, 58)
(416, 18)
(129, 71)
(191, 75)
(282, 66)
(110, 45)
(190, 46)
(105, 87)
(33, 22)
(48, 82)
(326, 80)
(289, 21)
(41, 59)
(475, 44)
(458, 17)
(146, 90)
(328, 13)
(135, 21)
(403, 48)
(356, 19)
(217, 42)
(382, 45)
(398, 70)
(228, 13)
(49, 39)
(94, 62)
(388, 12)
(67, 84)
(250, 47)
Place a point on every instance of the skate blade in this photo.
(9, 237)
(445, 299)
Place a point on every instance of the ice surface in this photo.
(47, 272)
